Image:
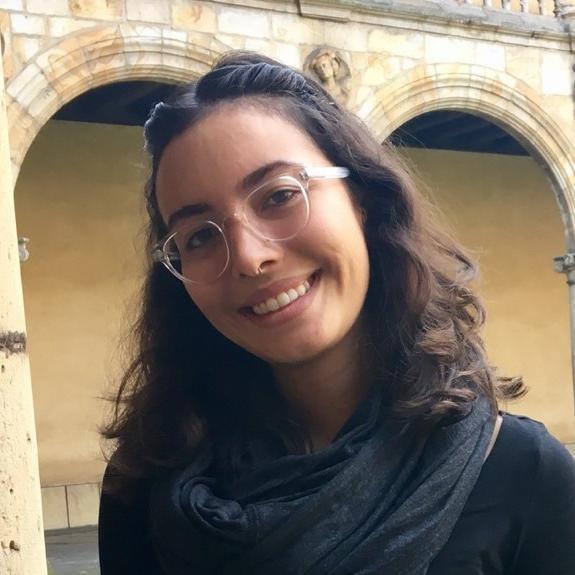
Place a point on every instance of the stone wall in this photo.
(55, 49)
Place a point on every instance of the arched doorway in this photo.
(500, 203)
(88, 59)
(500, 98)
(513, 106)
(79, 202)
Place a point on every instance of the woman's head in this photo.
(371, 239)
(250, 111)
(229, 186)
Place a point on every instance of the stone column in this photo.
(22, 550)
(566, 265)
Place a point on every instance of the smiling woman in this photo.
(315, 243)
(310, 392)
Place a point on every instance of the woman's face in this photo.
(207, 165)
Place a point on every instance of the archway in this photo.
(90, 59)
(498, 97)
(512, 106)
(79, 202)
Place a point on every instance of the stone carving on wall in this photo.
(327, 66)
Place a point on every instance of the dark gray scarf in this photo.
(378, 500)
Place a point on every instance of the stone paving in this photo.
(72, 551)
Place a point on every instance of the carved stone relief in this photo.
(327, 66)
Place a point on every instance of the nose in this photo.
(250, 254)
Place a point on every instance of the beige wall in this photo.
(78, 199)
(502, 207)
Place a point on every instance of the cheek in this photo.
(206, 301)
(213, 303)
(339, 235)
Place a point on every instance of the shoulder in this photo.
(123, 539)
(526, 464)
(527, 442)
(129, 505)
(544, 472)
(538, 470)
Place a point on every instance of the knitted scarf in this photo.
(379, 499)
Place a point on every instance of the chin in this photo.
(296, 352)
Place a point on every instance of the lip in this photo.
(274, 289)
(289, 311)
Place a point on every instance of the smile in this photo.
(282, 299)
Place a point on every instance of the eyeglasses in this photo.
(198, 252)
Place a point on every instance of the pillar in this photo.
(22, 550)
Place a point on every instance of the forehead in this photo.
(208, 161)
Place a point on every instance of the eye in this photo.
(199, 238)
(280, 197)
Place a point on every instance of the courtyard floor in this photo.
(73, 551)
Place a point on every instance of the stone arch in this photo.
(91, 58)
(495, 95)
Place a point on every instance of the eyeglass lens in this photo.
(277, 210)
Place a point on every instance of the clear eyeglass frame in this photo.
(161, 252)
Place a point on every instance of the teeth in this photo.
(282, 299)
(273, 304)
(293, 295)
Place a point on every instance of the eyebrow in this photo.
(186, 211)
(251, 180)
(259, 174)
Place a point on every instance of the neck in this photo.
(324, 392)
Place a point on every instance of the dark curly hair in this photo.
(180, 392)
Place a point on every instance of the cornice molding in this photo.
(437, 12)
(430, 16)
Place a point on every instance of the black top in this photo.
(519, 519)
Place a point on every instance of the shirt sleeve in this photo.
(548, 539)
(123, 539)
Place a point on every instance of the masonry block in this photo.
(382, 40)
(491, 55)
(176, 36)
(296, 30)
(25, 48)
(381, 70)
(54, 507)
(245, 23)
(28, 24)
(64, 26)
(11, 4)
(229, 41)
(556, 73)
(447, 49)
(99, 9)
(194, 16)
(525, 64)
(346, 36)
(157, 11)
(51, 7)
(83, 504)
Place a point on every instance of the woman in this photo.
(310, 393)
